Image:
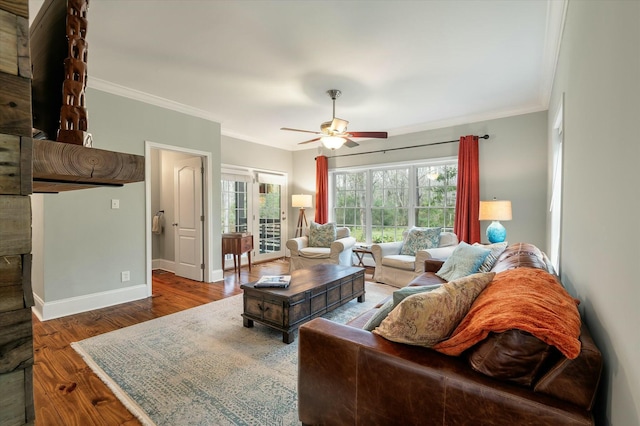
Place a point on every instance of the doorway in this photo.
(254, 202)
(176, 190)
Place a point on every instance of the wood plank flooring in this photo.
(67, 392)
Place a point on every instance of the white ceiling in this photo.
(256, 66)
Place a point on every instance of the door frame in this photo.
(253, 206)
(207, 207)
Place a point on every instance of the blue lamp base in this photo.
(496, 232)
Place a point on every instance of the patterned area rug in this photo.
(202, 367)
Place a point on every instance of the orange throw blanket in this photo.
(527, 299)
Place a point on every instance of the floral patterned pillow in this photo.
(420, 239)
(425, 319)
(322, 235)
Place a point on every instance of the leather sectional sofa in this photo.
(349, 376)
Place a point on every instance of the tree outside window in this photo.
(379, 204)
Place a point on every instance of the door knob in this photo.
(174, 224)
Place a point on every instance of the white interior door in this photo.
(188, 218)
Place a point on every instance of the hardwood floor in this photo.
(67, 392)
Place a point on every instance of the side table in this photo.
(237, 245)
(360, 252)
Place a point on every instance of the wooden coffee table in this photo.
(312, 292)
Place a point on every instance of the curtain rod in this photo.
(403, 147)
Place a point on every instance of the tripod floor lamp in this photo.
(301, 201)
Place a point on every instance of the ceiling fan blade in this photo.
(349, 143)
(381, 135)
(309, 141)
(299, 130)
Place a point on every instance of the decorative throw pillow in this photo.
(420, 239)
(398, 296)
(322, 235)
(465, 260)
(425, 319)
(490, 260)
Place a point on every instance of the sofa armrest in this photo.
(439, 253)
(296, 244)
(433, 265)
(338, 246)
(342, 250)
(385, 249)
(575, 380)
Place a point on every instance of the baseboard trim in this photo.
(74, 305)
(164, 264)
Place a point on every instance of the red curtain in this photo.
(467, 225)
(322, 189)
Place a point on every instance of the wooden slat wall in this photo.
(16, 298)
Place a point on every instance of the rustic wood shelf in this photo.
(61, 167)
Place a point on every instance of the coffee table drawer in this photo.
(266, 310)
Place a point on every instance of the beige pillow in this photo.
(425, 319)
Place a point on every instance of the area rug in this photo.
(202, 367)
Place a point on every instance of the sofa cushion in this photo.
(513, 355)
(465, 260)
(492, 257)
(315, 252)
(322, 235)
(424, 319)
(420, 239)
(520, 255)
(400, 261)
(397, 297)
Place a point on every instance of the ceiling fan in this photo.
(333, 134)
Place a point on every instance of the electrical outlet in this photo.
(115, 204)
(125, 276)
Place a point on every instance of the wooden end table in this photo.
(237, 244)
(360, 252)
(312, 292)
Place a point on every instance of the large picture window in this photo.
(378, 204)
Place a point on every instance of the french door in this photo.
(254, 202)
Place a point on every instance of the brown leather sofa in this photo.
(349, 376)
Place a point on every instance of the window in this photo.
(350, 202)
(378, 204)
(234, 203)
(436, 195)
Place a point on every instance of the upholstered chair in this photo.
(339, 253)
(398, 269)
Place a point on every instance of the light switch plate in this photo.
(115, 204)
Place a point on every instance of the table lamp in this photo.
(495, 210)
(301, 201)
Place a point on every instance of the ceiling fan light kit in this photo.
(332, 142)
(333, 134)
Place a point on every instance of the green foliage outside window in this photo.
(400, 197)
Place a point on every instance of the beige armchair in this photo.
(340, 252)
(397, 269)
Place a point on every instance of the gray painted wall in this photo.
(513, 166)
(599, 74)
(86, 244)
(236, 152)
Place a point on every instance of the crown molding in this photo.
(127, 92)
(556, 16)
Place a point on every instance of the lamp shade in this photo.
(495, 210)
(332, 142)
(301, 200)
